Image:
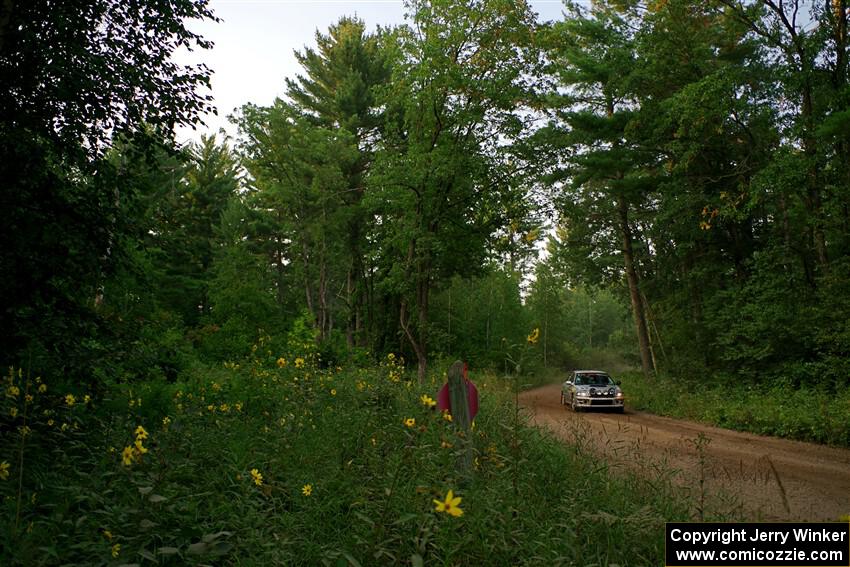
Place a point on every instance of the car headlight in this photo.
(619, 395)
(582, 394)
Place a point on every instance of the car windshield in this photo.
(593, 380)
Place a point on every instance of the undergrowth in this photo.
(275, 461)
(802, 413)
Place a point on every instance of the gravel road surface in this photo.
(756, 477)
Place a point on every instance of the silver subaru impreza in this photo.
(592, 389)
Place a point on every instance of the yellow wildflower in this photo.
(166, 421)
(86, 399)
(534, 336)
(333, 391)
(427, 401)
(28, 398)
(13, 391)
(216, 387)
(410, 422)
(50, 422)
(127, 456)
(116, 549)
(211, 408)
(13, 412)
(4, 470)
(450, 505)
(42, 388)
(299, 362)
(257, 476)
(281, 362)
(224, 408)
(107, 534)
(139, 447)
(447, 416)
(70, 400)
(140, 433)
(390, 357)
(307, 489)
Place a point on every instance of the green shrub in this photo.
(782, 407)
(247, 462)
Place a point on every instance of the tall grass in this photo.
(272, 462)
(803, 413)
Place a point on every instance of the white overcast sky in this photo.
(255, 41)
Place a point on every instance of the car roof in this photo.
(590, 372)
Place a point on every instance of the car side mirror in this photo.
(568, 383)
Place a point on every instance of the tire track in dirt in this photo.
(765, 478)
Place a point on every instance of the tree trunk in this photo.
(352, 312)
(279, 271)
(840, 8)
(417, 338)
(418, 348)
(308, 289)
(355, 290)
(545, 338)
(653, 327)
(840, 14)
(634, 289)
(423, 296)
(450, 318)
(813, 197)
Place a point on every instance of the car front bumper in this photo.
(604, 402)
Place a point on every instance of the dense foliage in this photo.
(660, 184)
(77, 76)
(704, 161)
(394, 198)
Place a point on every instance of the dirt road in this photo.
(763, 477)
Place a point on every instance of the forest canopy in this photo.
(661, 184)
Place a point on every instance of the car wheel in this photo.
(574, 406)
